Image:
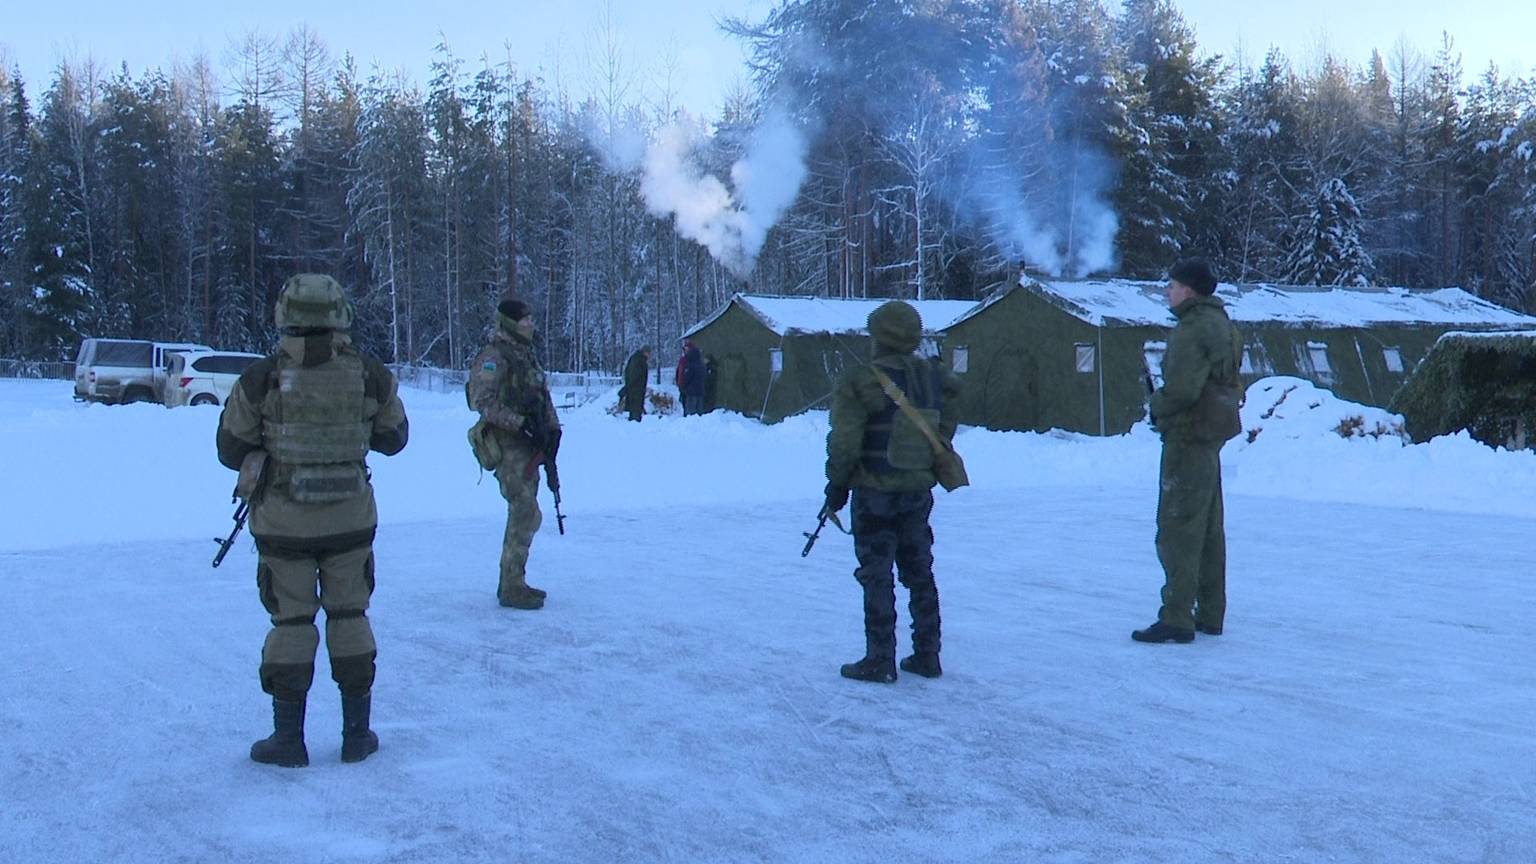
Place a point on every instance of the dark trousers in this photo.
(891, 528)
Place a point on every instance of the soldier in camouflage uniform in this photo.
(1203, 358)
(310, 412)
(879, 454)
(508, 389)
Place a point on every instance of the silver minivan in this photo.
(118, 371)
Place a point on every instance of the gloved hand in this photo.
(837, 497)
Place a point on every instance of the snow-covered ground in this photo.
(678, 699)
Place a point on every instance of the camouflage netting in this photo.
(1485, 384)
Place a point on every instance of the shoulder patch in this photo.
(488, 366)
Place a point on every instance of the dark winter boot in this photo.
(924, 663)
(521, 597)
(285, 746)
(1161, 632)
(877, 670)
(1208, 629)
(358, 742)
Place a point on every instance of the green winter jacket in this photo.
(1204, 348)
(859, 403)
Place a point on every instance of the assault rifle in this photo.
(241, 513)
(822, 518)
(253, 470)
(546, 447)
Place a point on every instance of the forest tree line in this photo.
(946, 144)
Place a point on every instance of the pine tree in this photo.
(15, 135)
(1165, 191)
(1327, 248)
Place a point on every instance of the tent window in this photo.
(1394, 359)
(1255, 361)
(960, 361)
(1085, 357)
(1315, 357)
(775, 360)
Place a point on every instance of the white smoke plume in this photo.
(732, 224)
(1077, 240)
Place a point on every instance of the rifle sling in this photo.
(900, 398)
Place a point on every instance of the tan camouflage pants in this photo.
(294, 590)
(521, 489)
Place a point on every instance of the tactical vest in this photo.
(318, 429)
(892, 441)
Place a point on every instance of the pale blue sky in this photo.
(556, 36)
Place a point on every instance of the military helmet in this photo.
(313, 301)
(896, 325)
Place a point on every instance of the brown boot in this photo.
(521, 597)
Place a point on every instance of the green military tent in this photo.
(1484, 383)
(1075, 354)
(775, 357)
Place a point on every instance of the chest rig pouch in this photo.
(318, 431)
(892, 440)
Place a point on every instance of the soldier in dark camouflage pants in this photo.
(891, 528)
(876, 454)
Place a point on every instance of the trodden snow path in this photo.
(678, 699)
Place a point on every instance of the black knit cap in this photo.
(1196, 273)
(513, 307)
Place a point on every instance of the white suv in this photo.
(204, 377)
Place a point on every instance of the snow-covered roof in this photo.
(784, 315)
(1487, 334)
(1125, 302)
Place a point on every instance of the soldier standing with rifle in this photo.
(881, 452)
(518, 431)
(1196, 412)
(297, 427)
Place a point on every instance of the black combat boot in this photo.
(358, 742)
(285, 746)
(877, 670)
(1161, 632)
(924, 663)
(1208, 629)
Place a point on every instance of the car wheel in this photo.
(205, 399)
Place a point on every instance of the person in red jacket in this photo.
(677, 378)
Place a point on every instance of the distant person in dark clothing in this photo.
(695, 375)
(634, 382)
(677, 378)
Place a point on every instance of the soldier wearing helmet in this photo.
(298, 426)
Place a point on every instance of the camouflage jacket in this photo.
(1203, 348)
(506, 385)
(281, 520)
(859, 401)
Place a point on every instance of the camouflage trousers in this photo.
(1191, 536)
(521, 489)
(891, 528)
(294, 588)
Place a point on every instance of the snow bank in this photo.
(82, 473)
